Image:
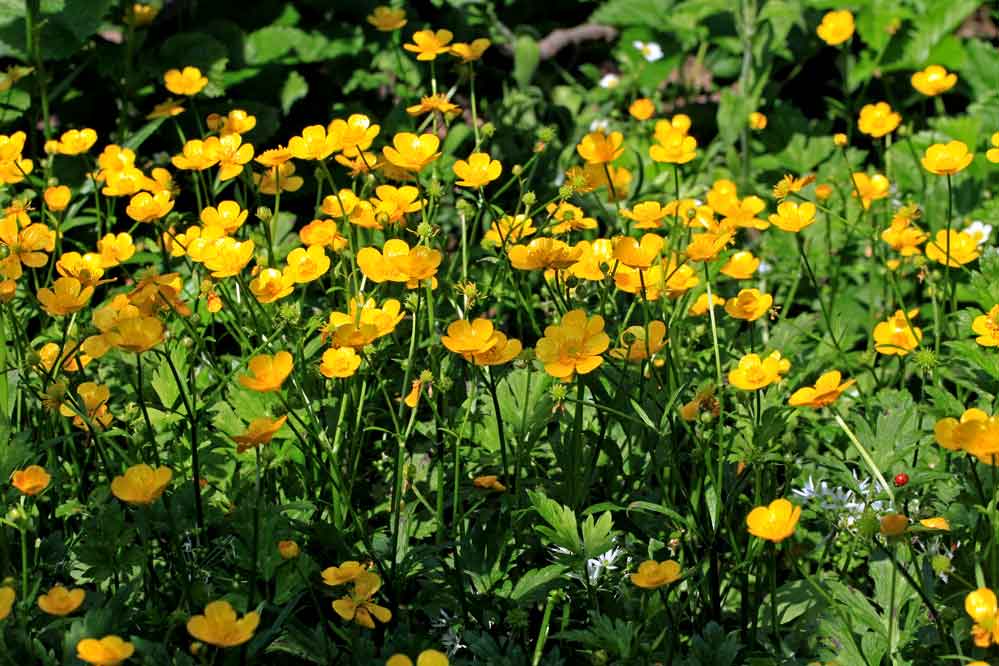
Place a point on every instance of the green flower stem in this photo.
(199, 514)
(950, 271)
(252, 592)
(539, 646)
(864, 454)
(491, 385)
(475, 115)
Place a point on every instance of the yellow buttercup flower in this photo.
(573, 346)
(387, 19)
(981, 606)
(146, 207)
(288, 549)
(992, 155)
(774, 522)
(314, 143)
(568, 218)
(508, 229)
(76, 142)
(280, 178)
(31, 480)
(700, 306)
(640, 342)
(353, 135)
(57, 197)
(267, 373)
(324, 233)
(107, 651)
(197, 155)
(271, 285)
(946, 159)
(987, 328)
(479, 170)
(749, 304)
(953, 248)
(647, 214)
(877, 120)
(347, 572)
(397, 262)
(836, 27)
(189, 81)
(936, 523)
(895, 336)
(543, 253)
(740, 266)
(260, 431)
(59, 601)
(754, 373)
(7, 596)
(339, 363)
(471, 51)
(237, 121)
(652, 575)
(66, 296)
(141, 484)
(673, 146)
(427, 44)
(438, 102)
(411, 152)
(227, 256)
(757, 121)
(826, 391)
(600, 148)
(792, 216)
(636, 253)
(307, 264)
(470, 337)
(358, 605)
(220, 627)
(933, 80)
(870, 188)
(642, 108)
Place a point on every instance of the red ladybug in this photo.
(901, 479)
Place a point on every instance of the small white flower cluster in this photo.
(850, 504)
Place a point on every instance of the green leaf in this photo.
(533, 583)
(195, 49)
(939, 20)
(526, 57)
(597, 538)
(295, 88)
(562, 528)
(981, 68)
(270, 43)
(163, 381)
(633, 12)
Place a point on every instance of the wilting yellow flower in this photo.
(188, 82)
(267, 373)
(987, 328)
(141, 484)
(107, 651)
(946, 159)
(411, 152)
(750, 304)
(339, 363)
(7, 596)
(895, 337)
(543, 253)
(427, 44)
(387, 19)
(489, 482)
(877, 120)
(347, 572)
(398, 263)
(260, 431)
(471, 51)
(642, 108)
(600, 148)
(981, 606)
(66, 296)
(740, 266)
(775, 522)
(789, 184)
(636, 345)
(358, 605)
(438, 102)
(757, 121)
(953, 248)
(166, 109)
(479, 170)
(826, 391)
(652, 575)
(933, 80)
(700, 306)
(59, 601)
(893, 524)
(754, 373)
(870, 188)
(793, 217)
(935, 523)
(288, 549)
(673, 146)
(836, 27)
(31, 480)
(573, 346)
(75, 142)
(220, 627)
